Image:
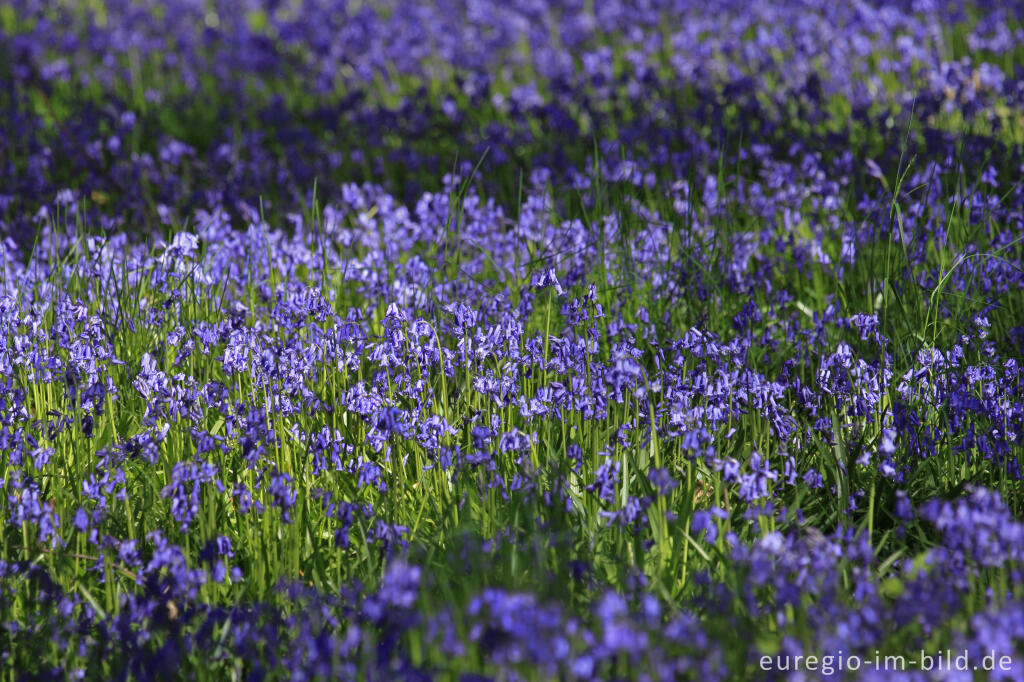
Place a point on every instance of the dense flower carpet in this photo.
(519, 340)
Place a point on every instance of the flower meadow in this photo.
(482, 340)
